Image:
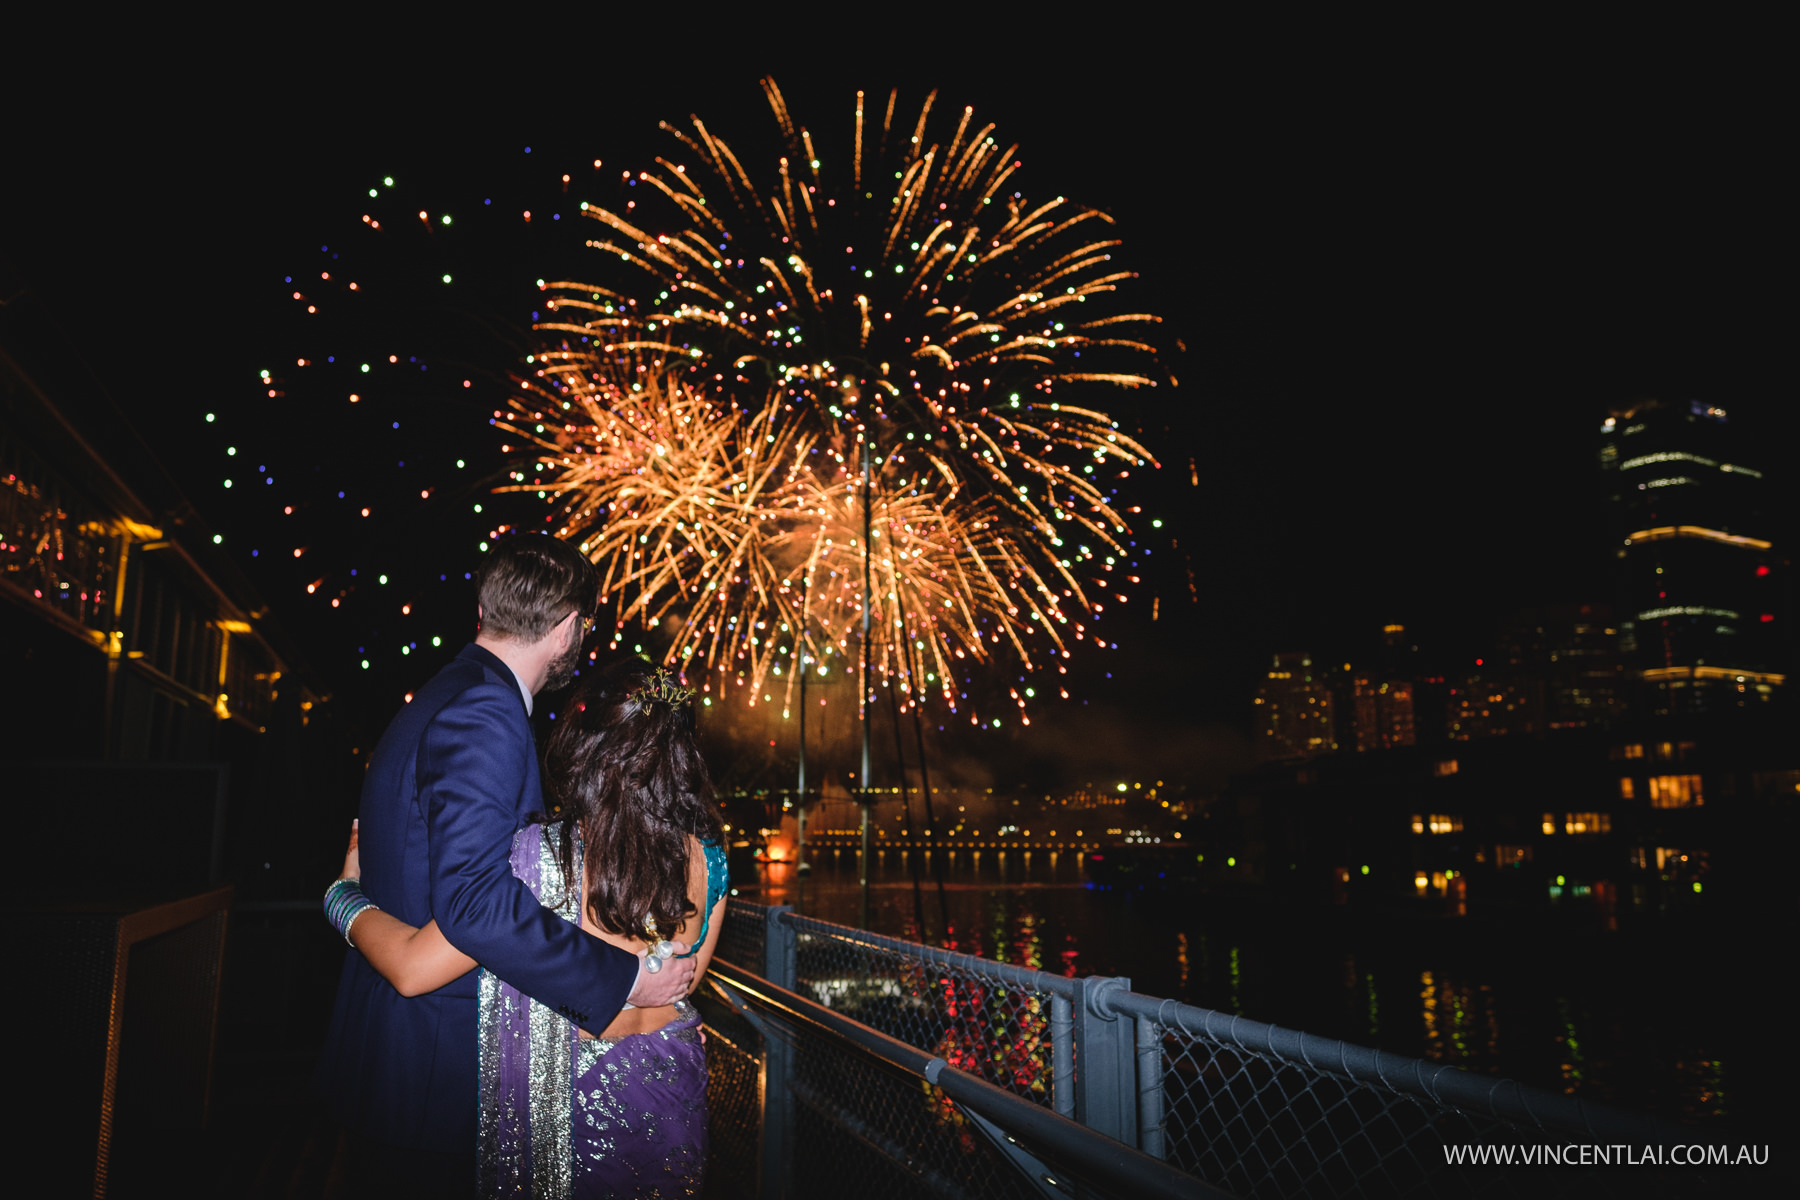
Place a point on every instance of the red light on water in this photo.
(1768, 618)
(1762, 570)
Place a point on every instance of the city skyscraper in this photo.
(1384, 712)
(1294, 716)
(1698, 573)
(1566, 659)
(1488, 703)
(1381, 700)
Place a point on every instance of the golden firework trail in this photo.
(702, 427)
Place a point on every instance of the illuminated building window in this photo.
(1511, 856)
(1434, 884)
(1630, 750)
(1418, 823)
(1626, 789)
(1670, 859)
(1587, 822)
(1443, 823)
(1447, 767)
(1676, 791)
(1549, 823)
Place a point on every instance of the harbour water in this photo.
(1647, 1017)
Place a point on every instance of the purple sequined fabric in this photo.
(589, 1118)
(640, 1112)
(525, 1064)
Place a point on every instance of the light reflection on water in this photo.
(1573, 1059)
(1460, 1024)
(1565, 1016)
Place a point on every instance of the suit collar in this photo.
(493, 662)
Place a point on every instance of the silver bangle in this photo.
(359, 912)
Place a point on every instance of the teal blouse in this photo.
(717, 883)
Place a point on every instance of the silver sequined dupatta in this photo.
(526, 1060)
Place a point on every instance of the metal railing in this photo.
(841, 1104)
(999, 1022)
(1254, 1109)
(130, 1059)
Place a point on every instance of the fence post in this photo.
(1150, 1087)
(780, 962)
(1062, 1056)
(1105, 1063)
(777, 1063)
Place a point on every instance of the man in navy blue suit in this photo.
(454, 776)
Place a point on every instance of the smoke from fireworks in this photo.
(702, 426)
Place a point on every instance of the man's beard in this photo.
(562, 667)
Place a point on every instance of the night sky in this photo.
(1408, 286)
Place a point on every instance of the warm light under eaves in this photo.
(1665, 532)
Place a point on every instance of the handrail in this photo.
(1080, 1147)
(1210, 1094)
(1503, 1099)
(1043, 981)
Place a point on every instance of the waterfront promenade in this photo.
(1258, 1111)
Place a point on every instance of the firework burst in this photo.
(703, 426)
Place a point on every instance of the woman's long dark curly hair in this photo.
(629, 776)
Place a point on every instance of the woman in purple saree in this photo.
(564, 1114)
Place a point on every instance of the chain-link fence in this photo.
(741, 938)
(989, 1019)
(846, 1106)
(894, 1134)
(1251, 1108)
(733, 1108)
(1269, 1112)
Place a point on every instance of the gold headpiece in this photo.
(661, 688)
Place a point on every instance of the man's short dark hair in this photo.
(529, 582)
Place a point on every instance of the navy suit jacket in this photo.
(451, 781)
